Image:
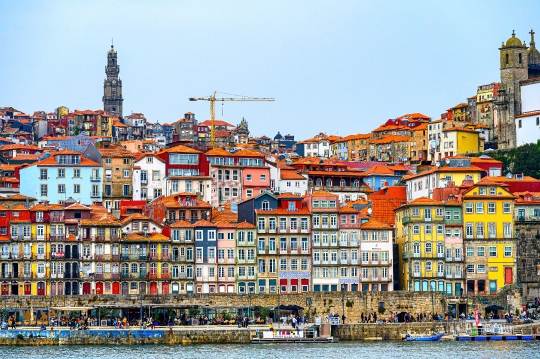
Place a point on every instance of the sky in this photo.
(338, 67)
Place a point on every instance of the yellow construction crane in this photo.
(212, 98)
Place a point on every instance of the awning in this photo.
(72, 309)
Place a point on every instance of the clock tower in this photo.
(112, 86)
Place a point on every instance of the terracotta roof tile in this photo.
(245, 225)
(218, 152)
(204, 223)
(290, 175)
(425, 201)
(374, 224)
(181, 224)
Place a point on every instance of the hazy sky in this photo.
(339, 67)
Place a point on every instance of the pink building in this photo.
(226, 248)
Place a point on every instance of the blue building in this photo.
(205, 257)
(381, 176)
(62, 175)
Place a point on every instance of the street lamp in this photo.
(250, 289)
(343, 288)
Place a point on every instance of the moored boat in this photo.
(427, 338)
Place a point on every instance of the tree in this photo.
(527, 160)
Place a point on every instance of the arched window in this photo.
(519, 57)
(356, 183)
(265, 205)
(125, 268)
(310, 182)
(506, 58)
(319, 182)
(428, 247)
(440, 267)
(329, 182)
(342, 183)
(428, 267)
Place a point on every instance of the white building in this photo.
(148, 177)
(527, 128)
(285, 179)
(376, 257)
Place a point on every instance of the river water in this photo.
(345, 350)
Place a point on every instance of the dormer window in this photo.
(492, 191)
(265, 205)
(16, 214)
(291, 206)
(482, 191)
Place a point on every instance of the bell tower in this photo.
(112, 86)
(514, 68)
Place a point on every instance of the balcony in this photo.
(379, 262)
(115, 276)
(94, 178)
(165, 257)
(57, 255)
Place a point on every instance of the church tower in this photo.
(112, 86)
(514, 68)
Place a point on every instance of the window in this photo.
(439, 229)
(480, 230)
(439, 212)
(428, 247)
(507, 230)
(469, 230)
(481, 268)
(507, 251)
(493, 251)
(507, 206)
(76, 188)
(456, 216)
(470, 268)
(61, 188)
(447, 215)
(492, 191)
(481, 251)
(427, 214)
(428, 229)
(61, 173)
(416, 229)
(482, 190)
(265, 206)
(480, 206)
(43, 174)
(469, 251)
(43, 190)
(248, 178)
(263, 178)
(491, 207)
(249, 193)
(492, 230)
(126, 173)
(416, 212)
(468, 207)
(126, 190)
(429, 267)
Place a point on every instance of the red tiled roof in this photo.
(204, 223)
(374, 224)
(181, 224)
(245, 225)
(290, 175)
(216, 123)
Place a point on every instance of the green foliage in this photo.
(103, 312)
(523, 159)
(382, 310)
(264, 312)
(349, 303)
(20, 336)
(194, 312)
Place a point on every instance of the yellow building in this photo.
(490, 246)
(420, 239)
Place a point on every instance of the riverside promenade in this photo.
(215, 334)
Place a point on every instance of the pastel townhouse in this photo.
(226, 249)
(205, 257)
